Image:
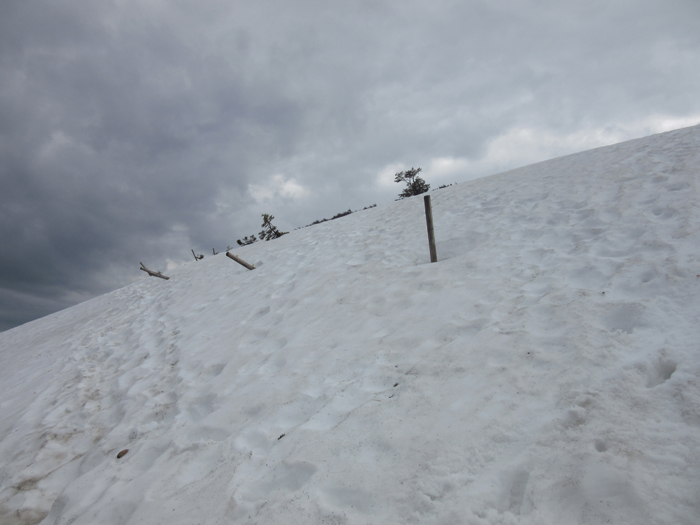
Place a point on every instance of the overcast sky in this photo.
(135, 130)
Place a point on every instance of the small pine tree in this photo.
(246, 240)
(415, 185)
(269, 231)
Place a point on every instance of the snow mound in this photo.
(545, 371)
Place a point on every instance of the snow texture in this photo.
(545, 371)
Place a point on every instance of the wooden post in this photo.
(240, 261)
(431, 233)
(152, 273)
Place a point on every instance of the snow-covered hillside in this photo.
(545, 371)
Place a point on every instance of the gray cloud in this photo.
(134, 131)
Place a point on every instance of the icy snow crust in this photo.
(545, 371)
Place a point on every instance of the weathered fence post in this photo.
(240, 261)
(431, 233)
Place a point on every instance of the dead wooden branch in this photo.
(197, 257)
(240, 261)
(152, 273)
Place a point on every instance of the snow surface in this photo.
(545, 371)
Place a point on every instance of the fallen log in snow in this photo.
(152, 273)
(240, 261)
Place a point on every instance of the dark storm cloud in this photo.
(134, 130)
(114, 143)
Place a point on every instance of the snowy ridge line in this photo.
(544, 371)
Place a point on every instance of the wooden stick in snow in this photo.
(240, 261)
(431, 233)
(152, 273)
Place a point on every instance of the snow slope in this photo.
(545, 371)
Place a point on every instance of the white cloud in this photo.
(526, 145)
(445, 166)
(278, 187)
(520, 146)
(385, 178)
(58, 143)
(661, 123)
